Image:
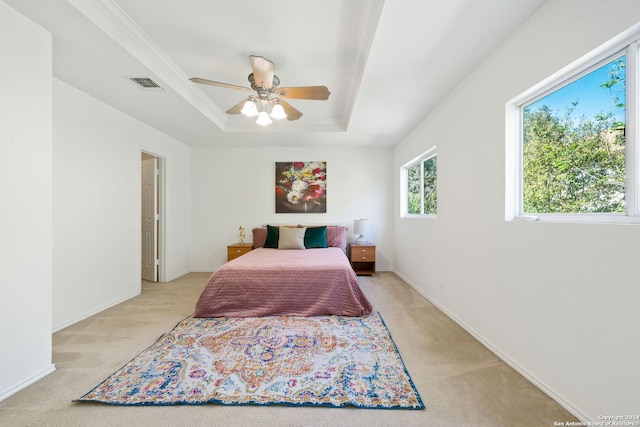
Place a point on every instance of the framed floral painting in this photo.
(301, 187)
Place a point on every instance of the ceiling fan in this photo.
(266, 101)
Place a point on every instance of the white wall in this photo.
(25, 202)
(559, 301)
(96, 204)
(236, 186)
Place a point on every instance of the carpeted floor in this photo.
(461, 382)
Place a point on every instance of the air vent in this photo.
(145, 83)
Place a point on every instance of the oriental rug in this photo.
(298, 361)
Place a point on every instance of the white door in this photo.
(149, 219)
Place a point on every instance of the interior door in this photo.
(149, 214)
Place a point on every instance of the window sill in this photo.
(579, 218)
(420, 216)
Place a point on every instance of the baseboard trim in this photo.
(77, 319)
(177, 276)
(26, 383)
(495, 350)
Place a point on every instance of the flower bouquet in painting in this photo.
(301, 187)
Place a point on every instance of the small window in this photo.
(419, 186)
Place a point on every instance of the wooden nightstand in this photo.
(238, 249)
(363, 258)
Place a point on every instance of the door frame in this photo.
(162, 231)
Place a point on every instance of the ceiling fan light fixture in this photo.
(265, 101)
(263, 119)
(249, 109)
(277, 112)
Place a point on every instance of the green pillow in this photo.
(315, 237)
(273, 235)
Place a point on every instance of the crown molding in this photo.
(241, 123)
(367, 27)
(113, 21)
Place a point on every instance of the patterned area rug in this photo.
(313, 361)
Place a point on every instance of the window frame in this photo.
(404, 184)
(627, 44)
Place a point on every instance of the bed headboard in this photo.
(336, 235)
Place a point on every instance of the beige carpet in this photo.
(461, 382)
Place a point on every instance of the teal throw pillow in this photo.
(315, 237)
(273, 235)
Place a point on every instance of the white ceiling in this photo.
(386, 63)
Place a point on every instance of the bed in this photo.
(312, 278)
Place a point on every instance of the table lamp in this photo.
(360, 229)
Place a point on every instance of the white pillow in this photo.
(291, 238)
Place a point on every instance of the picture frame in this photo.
(301, 187)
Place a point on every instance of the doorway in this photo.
(151, 191)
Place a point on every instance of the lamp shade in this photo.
(263, 119)
(360, 229)
(249, 109)
(277, 112)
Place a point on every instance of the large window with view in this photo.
(420, 185)
(575, 145)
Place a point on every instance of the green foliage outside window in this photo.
(428, 187)
(413, 185)
(575, 165)
(430, 181)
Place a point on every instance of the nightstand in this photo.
(238, 249)
(363, 258)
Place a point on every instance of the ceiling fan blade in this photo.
(292, 113)
(236, 109)
(227, 85)
(262, 71)
(320, 93)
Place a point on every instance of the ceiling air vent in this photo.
(145, 83)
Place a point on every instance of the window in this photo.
(419, 185)
(572, 154)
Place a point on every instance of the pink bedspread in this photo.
(273, 282)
